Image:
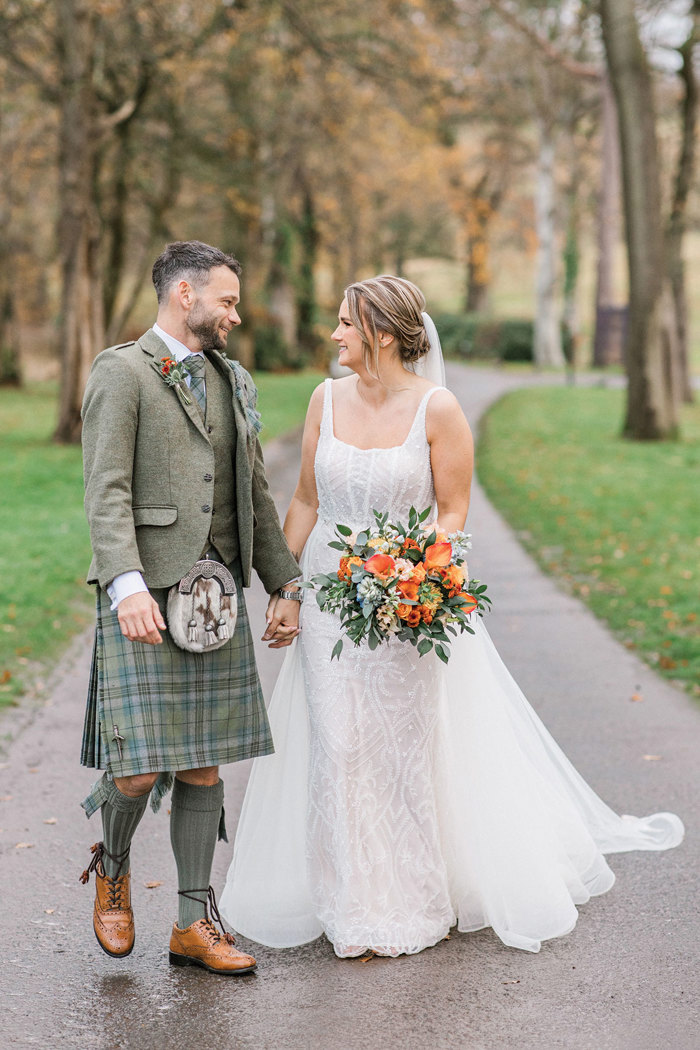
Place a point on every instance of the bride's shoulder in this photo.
(444, 413)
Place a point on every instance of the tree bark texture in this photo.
(650, 347)
(609, 336)
(82, 327)
(548, 350)
(677, 223)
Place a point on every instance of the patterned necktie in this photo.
(196, 366)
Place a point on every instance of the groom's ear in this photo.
(185, 294)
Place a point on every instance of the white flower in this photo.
(404, 568)
(461, 543)
(387, 620)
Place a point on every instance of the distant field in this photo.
(616, 521)
(44, 545)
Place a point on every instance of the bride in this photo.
(405, 797)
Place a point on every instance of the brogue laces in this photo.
(116, 885)
(118, 897)
(209, 902)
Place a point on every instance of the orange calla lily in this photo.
(408, 589)
(381, 565)
(438, 555)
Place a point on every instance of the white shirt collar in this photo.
(176, 348)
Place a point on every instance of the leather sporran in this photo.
(202, 608)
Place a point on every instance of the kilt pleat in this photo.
(172, 709)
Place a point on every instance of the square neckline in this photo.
(385, 448)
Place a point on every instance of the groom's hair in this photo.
(189, 261)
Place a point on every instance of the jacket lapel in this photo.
(155, 348)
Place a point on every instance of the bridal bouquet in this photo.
(407, 581)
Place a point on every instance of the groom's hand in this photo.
(282, 622)
(140, 618)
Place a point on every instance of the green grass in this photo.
(616, 521)
(44, 543)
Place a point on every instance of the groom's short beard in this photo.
(205, 328)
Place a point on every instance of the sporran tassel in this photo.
(222, 631)
(192, 631)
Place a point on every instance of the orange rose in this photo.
(404, 611)
(438, 555)
(426, 614)
(381, 565)
(407, 589)
(419, 573)
(345, 569)
(413, 618)
(471, 602)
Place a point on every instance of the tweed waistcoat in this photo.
(221, 427)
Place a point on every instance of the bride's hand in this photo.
(282, 622)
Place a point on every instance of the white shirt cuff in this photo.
(124, 585)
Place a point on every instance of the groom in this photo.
(173, 472)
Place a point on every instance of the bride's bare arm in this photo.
(451, 458)
(301, 516)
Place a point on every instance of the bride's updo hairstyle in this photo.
(393, 305)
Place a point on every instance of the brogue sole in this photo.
(188, 960)
(107, 951)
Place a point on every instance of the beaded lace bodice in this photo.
(352, 482)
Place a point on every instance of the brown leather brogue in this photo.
(113, 918)
(201, 944)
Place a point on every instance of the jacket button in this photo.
(208, 477)
(206, 508)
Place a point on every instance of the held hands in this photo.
(140, 619)
(282, 622)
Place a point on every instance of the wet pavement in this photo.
(625, 979)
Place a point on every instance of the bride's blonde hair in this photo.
(393, 305)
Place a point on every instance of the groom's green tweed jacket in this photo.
(149, 468)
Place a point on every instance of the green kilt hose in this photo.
(171, 709)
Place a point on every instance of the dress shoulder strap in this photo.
(327, 417)
(419, 422)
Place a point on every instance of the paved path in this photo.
(625, 979)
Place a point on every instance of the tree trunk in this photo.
(650, 351)
(547, 347)
(608, 339)
(678, 216)
(478, 277)
(82, 327)
(307, 337)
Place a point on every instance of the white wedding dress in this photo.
(404, 796)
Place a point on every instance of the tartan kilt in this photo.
(173, 709)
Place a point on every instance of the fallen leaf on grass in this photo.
(152, 885)
(24, 845)
(5, 677)
(651, 758)
(51, 820)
